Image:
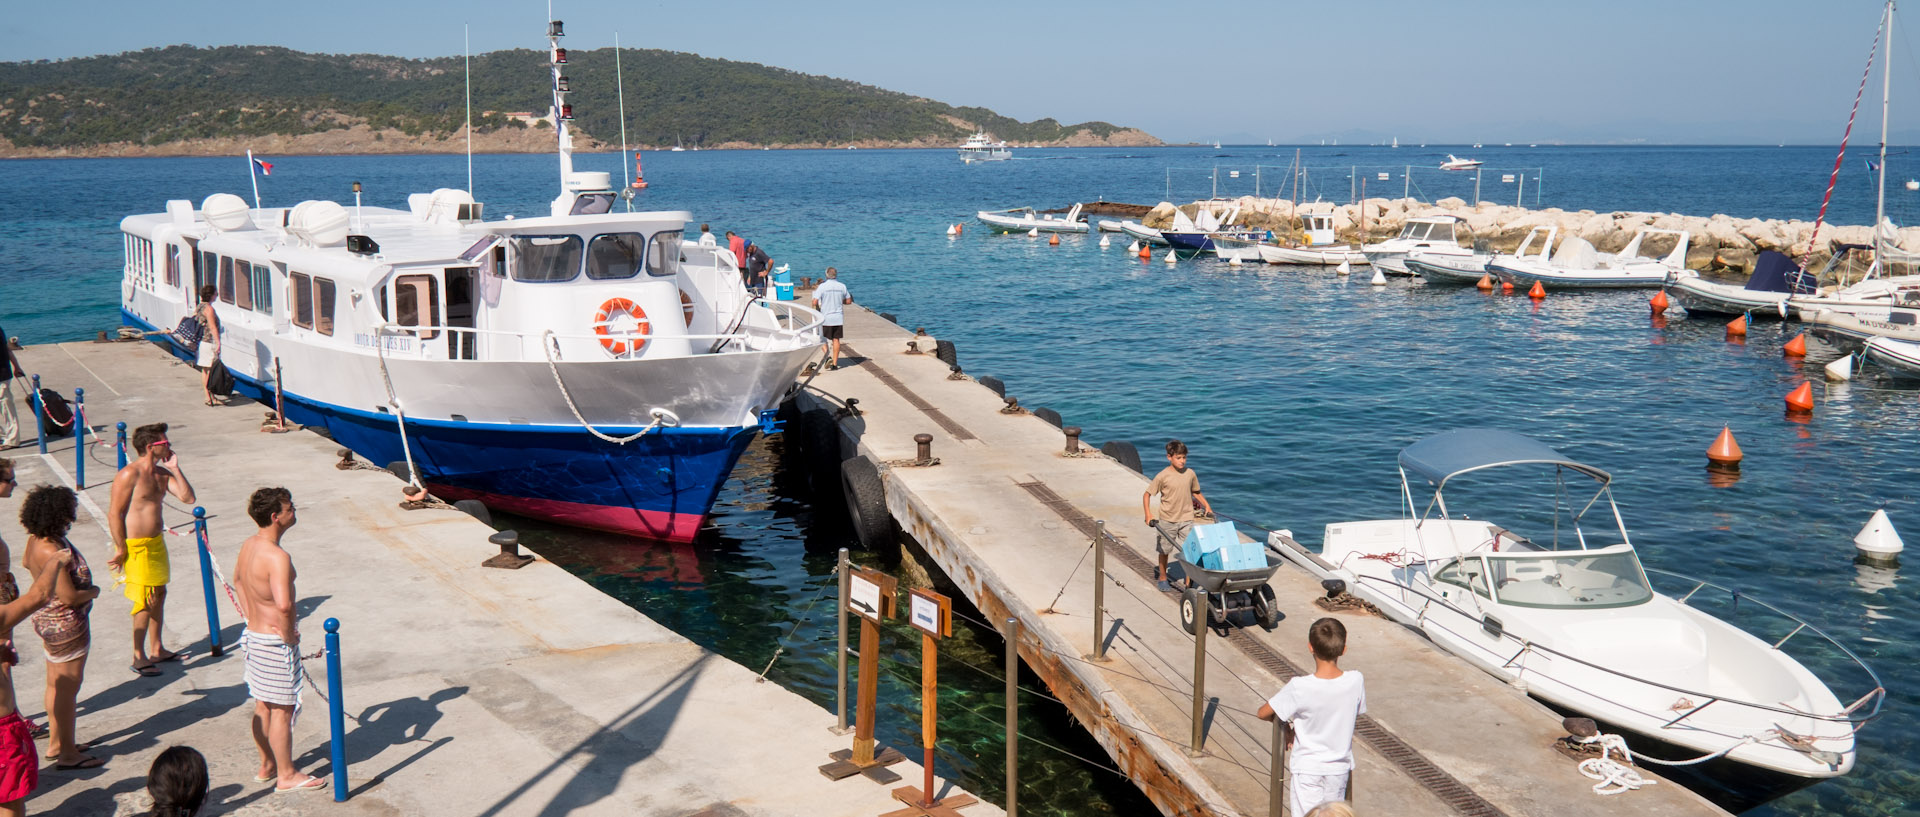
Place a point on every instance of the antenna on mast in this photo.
(620, 88)
(466, 32)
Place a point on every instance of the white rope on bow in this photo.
(393, 399)
(661, 417)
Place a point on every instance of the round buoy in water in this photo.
(953, 229)
(1659, 302)
(1796, 347)
(1344, 268)
(1485, 284)
(1506, 287)
(1131, 247)
(1737, 328)
(1725, 452)
(1878, 541)
(1033, 233)
(1233, 261)
(1170, 256)
(1801, 399)
(1537, 292)
(1379, 279)
(1146, 252)
(1913, 184)
(1840, 370)
(1053, 240)
(1106, 241)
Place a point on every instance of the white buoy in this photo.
(1344, 268)
(1033, 233)
(1878, 541)
(1170, 256)
(1913, 184)
(1233, 261)
(1379, 279)
(1105, 241)
(953, 229)
(1134, 248)
(1840, 370)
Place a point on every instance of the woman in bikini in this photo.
(62, 625)
(209, 339)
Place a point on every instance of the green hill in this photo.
(165, 95)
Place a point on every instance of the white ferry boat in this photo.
(587, 367)
(978, 149)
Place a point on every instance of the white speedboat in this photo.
(1576, 265)
(1434, 236)
(1876, 294)
(587, 366)
(1775, 278)
(1853, 328)
(1901, 357)
(1318, 249)
(1022, 219)
(1107, 225)
(979, 149)
(1197, 234)
(1229, 247)
(1470, 268)
(1573, 619)
(1459, 164)
(1142, 232)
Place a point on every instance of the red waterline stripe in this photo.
(661, 525)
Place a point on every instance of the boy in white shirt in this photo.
(1322, 708)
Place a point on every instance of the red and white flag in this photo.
(265, 168)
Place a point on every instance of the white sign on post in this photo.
(863, 596)
(926, 614)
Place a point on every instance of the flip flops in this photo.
(309, 784)
(86, 762)
(81, 748)
(174, 656)
(147, 671)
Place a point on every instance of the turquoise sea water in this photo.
(1295, 388)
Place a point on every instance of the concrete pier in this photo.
(1009, 515)
(468, 690)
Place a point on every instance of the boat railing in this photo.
(1851, 714)
(796, 324)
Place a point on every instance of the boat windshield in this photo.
(1585, 580)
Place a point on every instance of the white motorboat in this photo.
(1775, 277)
(1319, 249)
(1228, 247)
(1459, 164)
(1433, 236)
(586, 366)
(1901, 357)
(1107, 225)
(1143, 233)
(1875, 295)
(1022, 219)
(979, 149)
(1853, 328)
(1470, 268)
(1575, 621)
(1197, 234)
(1576, 265)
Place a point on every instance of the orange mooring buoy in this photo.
(1737, 327)
(1145, 251)
(1796, 347)
(1724, 453)
(1659, 302)
(1053, 240)
(1506, 287)
(1801, 399)
(1537, 292)
(1486, 283)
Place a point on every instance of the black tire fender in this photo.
(1049, 415)
(821, 442)
(866, 496)
(476, 509)
(1124, 453)
(999, 387)
(943, 349)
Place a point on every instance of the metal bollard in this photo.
(1073, 440)
(923, 447)
(1196, 747)
(336, 712)
(1100, 590)
(206, 578)
(913, 348)
(39, 416)
(840, 615)
(1277, 781)
(79, 439)
(1013, 717)
(120, 444)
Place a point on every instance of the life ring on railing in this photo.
(686, 307)
(631, 338)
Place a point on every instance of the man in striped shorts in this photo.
(263, 579)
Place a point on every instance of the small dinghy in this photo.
(1576, 265)
(1022, 219)
(1901, 357)
(1469, 269)
(1775, 277)
(1142, 232)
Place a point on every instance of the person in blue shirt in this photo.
(831, 298)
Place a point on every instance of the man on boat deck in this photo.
(831, 298)
(263, 579)
(738, 246)
(1178, 488)
(757, 265)
(706, 237)
(139, 539)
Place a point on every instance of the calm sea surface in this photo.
(1294, 388)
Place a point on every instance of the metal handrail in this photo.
(1878, 694)
(790, 333)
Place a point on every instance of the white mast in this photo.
(466, 32)
(561, 112)
(1886, 89)
(620, 89)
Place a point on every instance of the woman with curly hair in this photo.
(178, 782)
(62, 625)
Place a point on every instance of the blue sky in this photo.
(1689, 71)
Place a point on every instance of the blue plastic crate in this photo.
(783, 291)
(1204, 542)
(1239, 555)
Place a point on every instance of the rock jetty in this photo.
(1714, 242)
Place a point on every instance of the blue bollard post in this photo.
(336, 712)
(39, 416)
(79, 439)
(121, 444)
(206, 577)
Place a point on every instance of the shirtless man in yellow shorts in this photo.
(139, 541)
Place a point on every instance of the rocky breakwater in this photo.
(1714, 242)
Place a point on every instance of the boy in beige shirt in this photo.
(1178, 488)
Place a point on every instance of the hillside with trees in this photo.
(183, 93)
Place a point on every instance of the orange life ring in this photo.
(625, 342)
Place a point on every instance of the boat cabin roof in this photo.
(1449, 454)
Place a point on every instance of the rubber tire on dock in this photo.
(994, 383)
(1265, 610)
(866, 503)
(1049, 415)
(822, 442)
(944, 350)
(1191, 602)
(1124, 453)
(476, 509)
(890, 318)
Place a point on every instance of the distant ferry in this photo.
(978, 149)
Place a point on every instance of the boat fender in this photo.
(625, 343)
(866, 496)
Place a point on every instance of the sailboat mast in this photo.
(1886, 89)
(562, 112)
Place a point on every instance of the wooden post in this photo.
(1200, 616)
(1100, 591)
(840, 699)
(932, 614)
(929, 704)
(869, 687)
(1013, 716)
(869, 594)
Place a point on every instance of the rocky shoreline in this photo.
(1714, 242)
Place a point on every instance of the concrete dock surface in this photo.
(1008, 516)
(468, 690)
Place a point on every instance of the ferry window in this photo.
(204, 272)
(226, 280)
(614, 256)
(323, 293)
(302, 286)
(242, 284)
(263, 288)
(664, 253)
(546, 257)
(416, 301)
(173, 266)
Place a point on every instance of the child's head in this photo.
(1328, 638)
(1332, 808)
(1177, 454)
(178, 782)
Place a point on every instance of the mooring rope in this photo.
(660, 416)
(393, 399)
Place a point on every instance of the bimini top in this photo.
(1449, 454)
